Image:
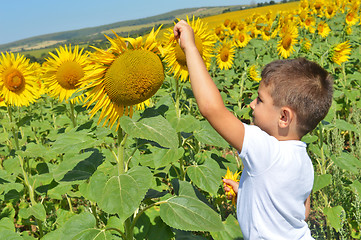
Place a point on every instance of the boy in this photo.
(273, 194)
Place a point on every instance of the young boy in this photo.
(273, 195)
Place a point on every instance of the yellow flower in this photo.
(66, 72)
(323, 29)
(351, 18)
(234, 177)
(18, 81)
(242, 38)
(340, 53)
(252, 73)
(225, 55)
(331, 10)
(2, 103)
(174, 55)
(309, 24)
(305, 44)
(128, 75)
(285, 45)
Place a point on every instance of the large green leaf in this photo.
(161, 157)
(156, 129)
(73, 141)
(184, 123)
(37, 211)
(93, 234)
(347, 162)
(9, 235)
(119, 194)
(321, 181)
(7, 223)
(190, 214)
(345, 126)
(72, 227)
(206, 176)
(232, 230)
(207, 135)
(334, 216)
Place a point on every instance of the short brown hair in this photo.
(301, 85)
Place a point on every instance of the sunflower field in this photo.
(110, 144)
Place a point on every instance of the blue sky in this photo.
(21, 19)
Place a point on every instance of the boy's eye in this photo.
(259, 100)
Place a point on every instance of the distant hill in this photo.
(123, 28)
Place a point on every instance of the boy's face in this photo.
(265, 114)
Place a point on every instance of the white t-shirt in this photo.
(276, 180)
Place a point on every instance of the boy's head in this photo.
(303, 86)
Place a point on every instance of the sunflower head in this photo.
(351, 18)
(253, 74)
(242, 38)
(128, 74)
(225, 55)
(174, 55)
(234, 177)
(340, 53)
(18, 81)
(66, 72)
(323, 29)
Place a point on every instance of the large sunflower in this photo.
(66, 72)
(340, 53)
(129, 74)
(18, 83)
(225, 55)
(175, 57)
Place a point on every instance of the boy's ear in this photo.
(286, 117)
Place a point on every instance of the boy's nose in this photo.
(253, 104)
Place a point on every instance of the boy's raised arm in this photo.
(208, 98)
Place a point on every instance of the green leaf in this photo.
(156, 129)
(206, 176)
(38, 211)
(93, 234)
(122, 194)
(347, 162)
(232, 230)
(345, 126)
(161, 157)
(6, 224)
(309, 138)
(72, 227)
(186, 123)
(356, 187)
(73, 141)
(321, 181)
(190, 214)
(208, 135)
(9, 235)
(334, 216)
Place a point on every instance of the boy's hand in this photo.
(231, 188)
(185, 35)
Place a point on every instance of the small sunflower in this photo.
(242, 38)
(285, 45)
(18, 83)
(309, 24)
(351, 18)
(323, 29)
(175, 57)
(305, 44)
(66, 72)
(330, 10)
(234, 177)
(252, 73)
(129, 74)
(225, 55)
(340, 53)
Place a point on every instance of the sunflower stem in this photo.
(31, 194)
(121, 145)
(15, 134)
(72, 115)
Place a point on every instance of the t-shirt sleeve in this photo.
(258, 150)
